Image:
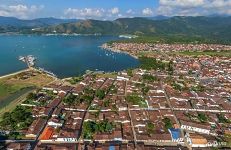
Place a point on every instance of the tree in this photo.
(170, 68)
(31, 96)
(150, 78)
(100, 94)
(222, 118)
(167, 123)
(202, 117)
(129, 72)
(136, 100)
(71, 99)
(145, 90)
(151, 63)
(150, 127)
(19, 118)
(106, 103)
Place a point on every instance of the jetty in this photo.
(29, 60)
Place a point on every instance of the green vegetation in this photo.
(8, 89)
(71, 99)
(113, 89)
(172, 39)
(82, 98)
(170, 68)
(136, 100)
(208, 53)
(150, 78)
(94, 107)
(106, 103)
(31, 96)
(20, 118)
(202, 117)
(145, 90)
(167, 123)
(92, 127)
(150, 128)
(13, 89)
(173, 30)
(129, 72)
(30, 99)
(151, 63)
(140, 85)
(178, 86)
(222, 118)
(198, 88)
(12, 98)
(89, 91)
(100, 94)
(75, 80)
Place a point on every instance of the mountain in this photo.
(211, 28)
(54, 21)
(40, 22)
(159, 17)
(208, 27)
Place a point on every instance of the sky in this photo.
(111, 9)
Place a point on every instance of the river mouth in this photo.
(65, 56)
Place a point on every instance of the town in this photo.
(170, 101)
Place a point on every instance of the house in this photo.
(35, 128)
(196, 127)
(55, 123)
(47, 133)
(18, 146)
(120, 78)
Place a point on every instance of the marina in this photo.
(29, 60)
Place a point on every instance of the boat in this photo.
(21, 58)
(30, 60)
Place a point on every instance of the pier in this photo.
(30, 61)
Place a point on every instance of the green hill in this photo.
(208, 29)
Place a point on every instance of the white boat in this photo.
(30, 60)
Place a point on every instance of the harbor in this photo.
(30, 60)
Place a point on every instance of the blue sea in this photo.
(63, 55)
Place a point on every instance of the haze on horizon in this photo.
(111, 9)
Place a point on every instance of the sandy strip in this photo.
(15, 73)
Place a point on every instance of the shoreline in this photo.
(24, 70)
(107, 48)
(14, 73)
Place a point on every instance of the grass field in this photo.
(13, 87)
(107, 75)
(208, 53)
(9, 103)
(10, 85)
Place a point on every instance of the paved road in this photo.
(177, 121)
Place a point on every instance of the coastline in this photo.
(108, 48)
(14, 73)
(24, 70)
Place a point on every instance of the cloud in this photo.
(92, 13)
(20, 11)
(85, 13)
(114, 10)
(147, 12)
(193, 7)
(182, 3)
(130, 11)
